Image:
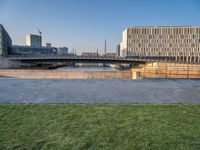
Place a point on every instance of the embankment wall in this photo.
(167, 70)
(64, 74)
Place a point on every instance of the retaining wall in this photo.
(64, 74)
(167, 70)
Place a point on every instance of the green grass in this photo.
(112, 127)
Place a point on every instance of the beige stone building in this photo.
(181, 42)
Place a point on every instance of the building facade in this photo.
(33, 40)
(62, 51)
(113, 55)
(48, 44)
(90, 54)
(5, 42)
(32, 51)
(181, 42)
(118, 50)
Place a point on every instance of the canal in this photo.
(88, 68)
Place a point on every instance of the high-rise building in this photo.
(5, 42)
(62, 51)
(33, 40)
(182, 42)
(118, 50)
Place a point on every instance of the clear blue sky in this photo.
(84, 24)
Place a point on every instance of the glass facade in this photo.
(62, 51)
(1, 41)
(32, 51)
(5, 42)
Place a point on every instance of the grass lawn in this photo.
(112, 127)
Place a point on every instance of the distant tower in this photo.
(97, 52)
(118, 50)
(105, 46)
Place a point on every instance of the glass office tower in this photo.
(5, 42)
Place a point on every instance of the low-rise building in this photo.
(32, 51)
(48, 44)
(90, 54)
(109, 55)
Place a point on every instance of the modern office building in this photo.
(33, 40)
(182, 42)
(32, 51)
(5, 42)
(62, 51)
(118, 50)
(48, 44)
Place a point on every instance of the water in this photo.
(88, 68)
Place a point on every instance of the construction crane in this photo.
(39, 31)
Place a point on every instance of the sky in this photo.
(85, 24)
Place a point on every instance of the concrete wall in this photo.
(64, 74)
(4, 63)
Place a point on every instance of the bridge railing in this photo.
(170, 70)
(62, 57)
(105, 58)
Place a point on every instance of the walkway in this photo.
(99, 91)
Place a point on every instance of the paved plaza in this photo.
(99, 91)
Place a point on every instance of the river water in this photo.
(88, 68)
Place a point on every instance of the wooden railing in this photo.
(170, 70)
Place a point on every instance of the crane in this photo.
(39, 31)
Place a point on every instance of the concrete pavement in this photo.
(99, 91)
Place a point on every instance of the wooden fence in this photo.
(169, 70)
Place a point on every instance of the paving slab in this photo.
(154, 91)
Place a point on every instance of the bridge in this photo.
(89, 59)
